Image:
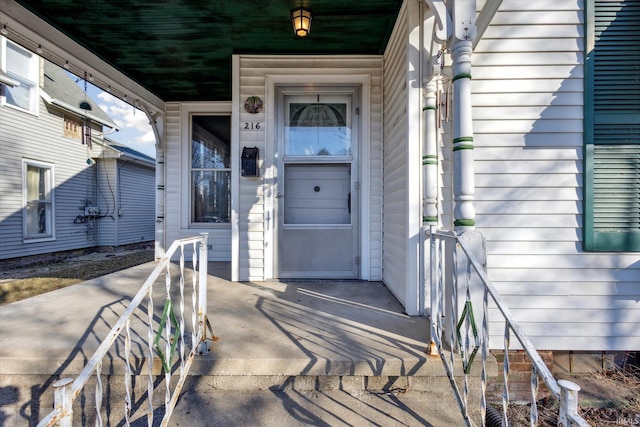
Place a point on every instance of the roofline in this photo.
(109, 143)
(116, 154)
(30, 31)
(137, 160)
(77, 110)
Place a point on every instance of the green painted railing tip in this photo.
(467, 315)
(167, 315)
(464, 222)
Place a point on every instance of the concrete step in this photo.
(26, 398)
(305, 351)
(250, 400)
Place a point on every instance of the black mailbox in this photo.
(250, 161)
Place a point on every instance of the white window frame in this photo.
(50, 184)
(188, 111)
(32, 80)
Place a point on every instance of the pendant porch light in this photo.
(301, 20)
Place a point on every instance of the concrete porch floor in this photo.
(288, 353)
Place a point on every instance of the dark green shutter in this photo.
(612, 126)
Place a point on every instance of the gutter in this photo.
(77, 110)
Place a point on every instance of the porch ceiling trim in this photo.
(30, 31)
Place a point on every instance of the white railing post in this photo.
(478, 291)
(66, 390)
(568, 402)
(63, 401)
(433, 350)
(203, 346)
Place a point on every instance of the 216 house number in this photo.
(251, 126)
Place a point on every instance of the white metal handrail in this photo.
(67, 390)
(450, 290)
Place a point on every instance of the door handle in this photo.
(349, 203)
(279, 196)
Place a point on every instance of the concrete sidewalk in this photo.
(277, 342)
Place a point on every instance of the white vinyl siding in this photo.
(107, 171)
(395, 159)
(528, 76)
(40, 139)
(136, 203)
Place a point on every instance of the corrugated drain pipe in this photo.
(493, 417)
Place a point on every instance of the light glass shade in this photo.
(301, 20)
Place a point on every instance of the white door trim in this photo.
(272, 81)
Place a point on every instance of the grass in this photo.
(47, 278)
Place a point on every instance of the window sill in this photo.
(37, 239)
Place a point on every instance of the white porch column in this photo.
(160, 245)
(430, 156)
(156, 121)
(464, 214)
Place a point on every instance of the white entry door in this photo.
(317, 185)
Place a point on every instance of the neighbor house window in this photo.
(38, 200)
(612, 127)
(22, 66)
(210, 169)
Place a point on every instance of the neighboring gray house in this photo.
(126, 199)
(63, 188)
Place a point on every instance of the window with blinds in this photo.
(612, 126)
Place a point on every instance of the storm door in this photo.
(317, 198)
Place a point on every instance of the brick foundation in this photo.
(519, 376)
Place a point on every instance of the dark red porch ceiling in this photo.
(181, 49)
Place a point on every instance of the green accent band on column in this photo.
(160, 217)
(429, 162)
(461, 76)
(429, 108)
(464, 222)
(160, 187)
(160, 163)
(463, 139)
(429, 219)
(463, 147)
(430, 156)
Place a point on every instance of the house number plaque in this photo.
(251, 126)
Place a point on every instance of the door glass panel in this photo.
(317, 129)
